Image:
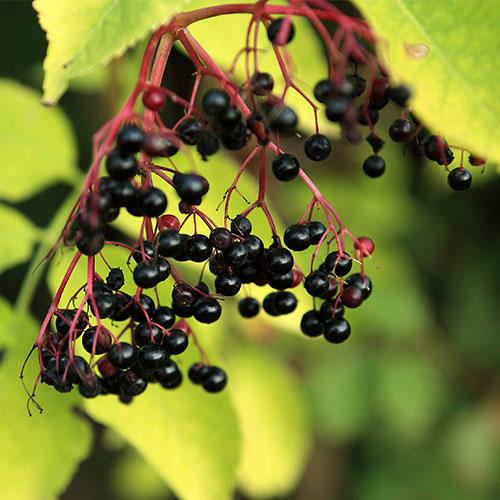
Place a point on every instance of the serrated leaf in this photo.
(39, 454)
(85, 34)
(19, 237)
(274, 421)
(37, 146)
(451, 93)
(188, 436)
(310, 64)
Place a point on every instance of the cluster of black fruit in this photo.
(125, 368)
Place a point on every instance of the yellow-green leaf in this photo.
(17, 246)
(457, 83)
(274, 421)
(188, 436)
(85, 34)
(39, 454)
(37, 146)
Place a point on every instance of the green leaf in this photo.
(188, 436)
(20, 237)
(274, 422)
(86, 34)
(451, 93)
(36, 143)
(309, 61)
(39, 454)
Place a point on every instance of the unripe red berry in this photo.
(169, 222)
(153, 99)
(365, 246)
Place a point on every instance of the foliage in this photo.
(400, 393)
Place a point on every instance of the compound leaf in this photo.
(452, 93)
(85, 34)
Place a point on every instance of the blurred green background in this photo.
(408, 408)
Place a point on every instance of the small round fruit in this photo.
(297, 237)
(311, 324)
(374, 166)
(317, 147)
(153, 99)
(280, 31)
(337, 330)
(248, 307)
(241, 226)
(129, 139)
(340, 266)
(215, 380)
(121, 166)
(400, 130)
(153, 202)
(175, 342)
(227, 284)
(122, 355)
(317, 284)
(352, 296)
(207, 310)
(285, 167)
(214, 102)
(459, 180)
(262, 83)
(151, 356)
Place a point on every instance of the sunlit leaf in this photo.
(37, 146)
(85, 34)
(39, 454)
(274, 420)
(452, 94)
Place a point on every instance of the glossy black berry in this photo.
(164, 316)
(160, 145)
(374, 166)
(214, 102)
(122, 355)
(280, 31)
(229, 117)
(262, 83)
(248, 272)
(189, 130)
(183, 294)
(448, 157)
(335, 108)
(254, 247)
(132, 384)
(337, 330)
(235, 137)
(268, 304)
(248, 307)
(175, 341)
(90, 388)
(317, 147)
(285, 302)
(169, 243)
(297, 237)
(102, 344)
(328, 309)
(198, 373)
(190, 187)
(215, 380)
(241, 225)
(146, 274)
(145, 333)
(358, 85)
(122, 307)
(77, 369)
(207, 310)
(115, 278)
(459, 180)
(322, 90)
(151, 356)
(121, 166)
(280, 281)
(279, 261)
(221, 238)
(282, 119)
(144, 305)
(236, 255)
(144, 251)
(365, 284)
(434, 147)
(153, 202)
(227, 284)
(217, 264)
(311, 324)
(168, 373)
(65, 319)
(129, 139)
(400, 130)
(316, 230)
(340, 266)
(207, 144)
(198, 248)
(400, 95)
(317, 284)
(380, 93)
(105, 304)
(285, 167)
(89, 244)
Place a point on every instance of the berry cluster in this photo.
(128, 340)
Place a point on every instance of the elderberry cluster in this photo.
(152, 335)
